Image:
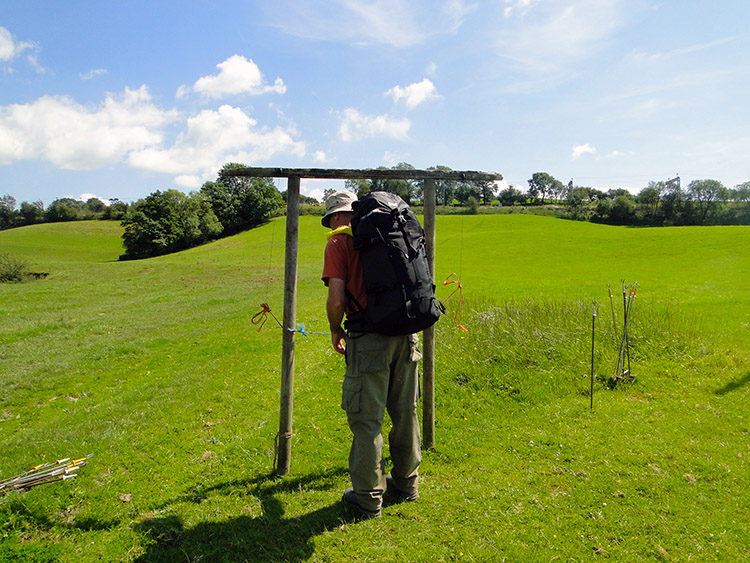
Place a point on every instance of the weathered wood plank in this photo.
(365, 174)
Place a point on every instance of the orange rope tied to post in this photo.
(261, 316)
(458, 316)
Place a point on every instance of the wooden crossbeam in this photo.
(365, 174)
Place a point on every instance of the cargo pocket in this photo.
(351, 394)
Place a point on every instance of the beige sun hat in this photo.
(339, 201)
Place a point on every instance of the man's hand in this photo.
(335, 311)
(338, 339)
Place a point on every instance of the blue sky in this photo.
(119, 99)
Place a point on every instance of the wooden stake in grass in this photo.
(612, 307)
(428, 336)
(593, 335)
(283, 442)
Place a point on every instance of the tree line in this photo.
(447, 192)
(169, 221)
(63, 209)
(661, 203)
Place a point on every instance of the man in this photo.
(381, 373)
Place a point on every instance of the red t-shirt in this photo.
(341, 261)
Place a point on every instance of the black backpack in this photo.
(400, 289)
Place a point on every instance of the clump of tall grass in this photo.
(13, 270)
(519, 348)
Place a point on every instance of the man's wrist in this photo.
(336, 328)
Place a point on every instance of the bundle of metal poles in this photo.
(44, 473)
(622, 369)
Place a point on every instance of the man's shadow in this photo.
(266, 537)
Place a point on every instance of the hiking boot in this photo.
(402, 496)
(350, 500)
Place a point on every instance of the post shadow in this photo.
(269, 537)
(734, 385)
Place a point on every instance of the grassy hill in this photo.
(154, 367)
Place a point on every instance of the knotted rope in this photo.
(459, 314)
(261, 317)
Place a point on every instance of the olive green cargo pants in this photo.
(382, 373)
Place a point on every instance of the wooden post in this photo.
(428, 336)
(284, 437)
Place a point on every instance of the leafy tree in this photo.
(407, 189)
(576, 199)
(487, 189)
(465, 190)
(596, 195)
(741, 192)
(444, 189)
(360, 187)
(542, 185)
(511, 196)
(7, 211)
(649, 198)
(32, 213)
(622, 210)
(672, 202)
(116, 210)
(615, 193)
(603, 209)
(64, 209)
(208, 225)
(306, 199)
(240, 202)
(154, 225)
(706, 194)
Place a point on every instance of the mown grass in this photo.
(154, 367)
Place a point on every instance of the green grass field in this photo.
(155, 368)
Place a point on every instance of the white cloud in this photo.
(320, 156)
(237, 75)
(580, 150)
(34, 62)
(397, 23)
(74, 137)
(513, 7)
(391, 158)
(86, 197)
(9, 49)
(544, 40)
(92, 73)
(355, 126)
(414, 94)
(213, 138)
(128, 127)
(615, 154)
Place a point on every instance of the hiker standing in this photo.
(381, 373)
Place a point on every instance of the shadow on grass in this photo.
(268, 537)
(734, 385)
